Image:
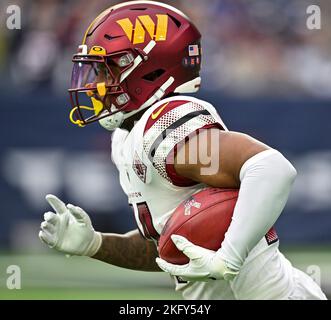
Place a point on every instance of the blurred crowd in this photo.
(251, 47)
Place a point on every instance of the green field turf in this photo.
(58, 277)
(46, 276)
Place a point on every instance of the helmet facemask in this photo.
(96, 91)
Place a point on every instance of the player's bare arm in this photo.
(130, 251)
(232, 151)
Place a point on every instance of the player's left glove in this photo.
(69, 229)
(204, 264)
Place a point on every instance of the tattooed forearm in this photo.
(129, 251)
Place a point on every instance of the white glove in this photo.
(204, 264)
(69, 230)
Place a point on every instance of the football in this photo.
(203, 219)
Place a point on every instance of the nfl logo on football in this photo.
(189, 204)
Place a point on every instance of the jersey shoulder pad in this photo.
(171, 122)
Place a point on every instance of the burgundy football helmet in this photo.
(132, 55)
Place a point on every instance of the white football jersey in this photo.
(140, 156)
(154, 192)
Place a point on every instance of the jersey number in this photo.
(146, 221)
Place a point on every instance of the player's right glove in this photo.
(69, 229)
(204, 264)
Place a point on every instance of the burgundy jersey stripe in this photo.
(146, 221)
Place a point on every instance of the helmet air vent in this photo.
(176, 22)
(109, 37)
(138, 9)
(152, 76)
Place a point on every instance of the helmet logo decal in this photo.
(136, 34)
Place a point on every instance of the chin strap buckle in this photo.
(77, 122)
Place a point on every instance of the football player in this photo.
(136, 63)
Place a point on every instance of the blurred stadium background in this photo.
(268, 75)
